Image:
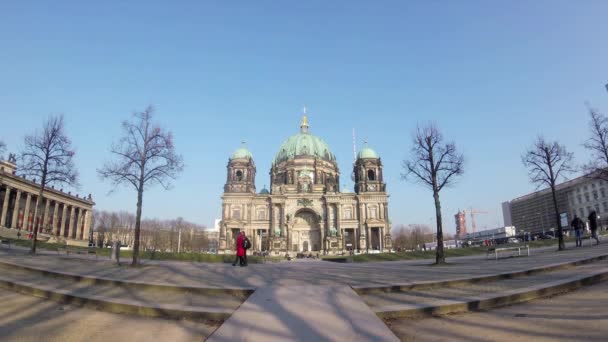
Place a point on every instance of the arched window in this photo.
(239, 175)
(371, 175)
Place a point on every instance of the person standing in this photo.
(246, 246)
(593, 225)
(240, 251)
(577, 225)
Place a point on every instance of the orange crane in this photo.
(472, 212)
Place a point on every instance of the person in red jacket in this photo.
(240, 251)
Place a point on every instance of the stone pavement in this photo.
(26, 318)
(413, 300)
(576, 316)
(303, 313)
(297, 273)
(300, 300)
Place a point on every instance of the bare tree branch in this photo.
(434, 164)
(48, 156)
(547, 163)
(597, 144)
(145, 155)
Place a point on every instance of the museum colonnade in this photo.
(63, 217)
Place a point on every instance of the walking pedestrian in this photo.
(240, 251)
(577, 225)
(593, 225)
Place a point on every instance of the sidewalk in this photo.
(296, 274)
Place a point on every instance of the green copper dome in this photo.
(241, 153)
(367, 152)
(304, 144)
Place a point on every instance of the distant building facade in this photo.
(534, 213)
(461, 224)
(304, 210)
(64, 217)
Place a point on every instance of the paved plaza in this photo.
(301, 272)
(293, 301)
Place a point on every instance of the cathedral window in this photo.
(239, 175)
(236, 214)
(373, 212)
(261, 215)
(371, 175)
(348, 213)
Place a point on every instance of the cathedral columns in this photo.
(16, 210)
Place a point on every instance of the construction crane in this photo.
(472, 212)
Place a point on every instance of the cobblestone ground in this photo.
(26, 318)
(576, 316)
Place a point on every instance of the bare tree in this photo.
(48, 155)
(597, 144)
(145, 156)
(547, 162)
(433, 163)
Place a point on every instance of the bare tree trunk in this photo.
(38, 203)
(439, 256)
(560, 234)
(140, 195)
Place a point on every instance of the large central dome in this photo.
(304, 144)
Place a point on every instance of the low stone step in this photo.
(433, 303)
(117, 305)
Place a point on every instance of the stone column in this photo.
(45, 216)
(87, 225)
(7, 196)
(273, 220)
(15, 223)
(63, 217)
(26, 213)
(55, 227)
(35, 221)
(281, 221)
(338, 219)
(72, 219)
(73, 222)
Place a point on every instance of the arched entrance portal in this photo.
(306, 235)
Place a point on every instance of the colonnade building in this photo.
(64, 217)
(304, 210)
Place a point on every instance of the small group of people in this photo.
(242, 245)
(579, 226)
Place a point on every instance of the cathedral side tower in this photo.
(368, 172)
(240, 176)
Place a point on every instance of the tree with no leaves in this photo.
(547, 162)
(597, 144)
(145, 156)
(434, 163)
(48, 156)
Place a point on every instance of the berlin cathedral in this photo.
(304, 210)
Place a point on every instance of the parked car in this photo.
(513, 240)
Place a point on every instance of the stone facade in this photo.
(63, 216)
(305, 211)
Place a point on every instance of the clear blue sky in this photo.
(492, 74)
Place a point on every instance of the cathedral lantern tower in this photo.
(240, 177)
(368, 172)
